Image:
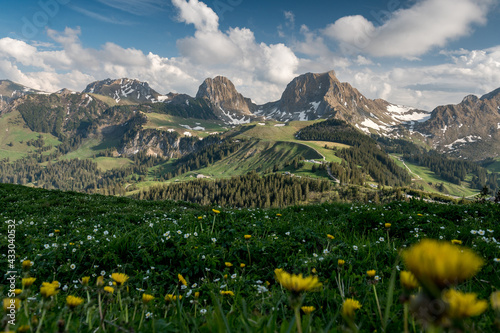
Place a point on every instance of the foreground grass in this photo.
(69, 236)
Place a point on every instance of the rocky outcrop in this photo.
(162, 143)
(316, 96)
(226, 102)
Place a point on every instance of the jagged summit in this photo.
(124, 90)
(226, 102)
(314, 96)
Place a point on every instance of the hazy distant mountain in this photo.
(10, 91)
(124, 90)
(470, 129)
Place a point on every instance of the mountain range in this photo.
(469, 130)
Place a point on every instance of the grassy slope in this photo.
(165, 121)
(427, 176)
(257, 156)
(495, 166)
(287, 133)
(12, 129)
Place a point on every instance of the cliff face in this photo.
(226, 102)
(162, 143)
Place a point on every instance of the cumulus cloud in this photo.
(465, 72)
(233, 50)
(197, 13)
(74, 66)
(409, 32)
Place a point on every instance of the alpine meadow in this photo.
(250, 166)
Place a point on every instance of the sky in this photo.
(420, 53)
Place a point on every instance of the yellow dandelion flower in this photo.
(308, 309)
(27, 264)
(18, 291)
(23, 329)
(495, 300)
(197, 294)
(28, 282)
(225, 276)
(408, 280)
(314, 271)
(85, 280)
(456, 241)
(100, 281)
(278, 215)
(73, 301)
(349, 306)
(297, 283)
(170, 298)
(109, 289)
(216, 211)
(463, 305)
(11, 303)
(146, 298)
(371, 273)
(341, 262)
(441, 263)
(182, 279)
(227, 293)
(330, 236)
(242, 265)
(387, 225)
(200, 217)
(119, 278)
(57, 231)
(247, 237)
(228, 264)
(48, 290)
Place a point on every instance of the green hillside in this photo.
(428, 180)
(14, 137)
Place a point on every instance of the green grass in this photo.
(495, 166)
(270, 132)
(108, 163)
(423, 176)
(153, 242)
(256, 156)
(166, 122)
(13, 130)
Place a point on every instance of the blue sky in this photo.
(421, 53)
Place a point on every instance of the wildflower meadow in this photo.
(90, 263)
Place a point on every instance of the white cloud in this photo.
(197, 13)
(410, 32)
(465, 72)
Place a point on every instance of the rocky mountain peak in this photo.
(124, 90)
(226, 101)
(494, 95)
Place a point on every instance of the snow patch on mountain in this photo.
(467, 139)
(234, 121)
(403, 113)
(371, 124)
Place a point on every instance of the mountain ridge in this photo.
(461, 130)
